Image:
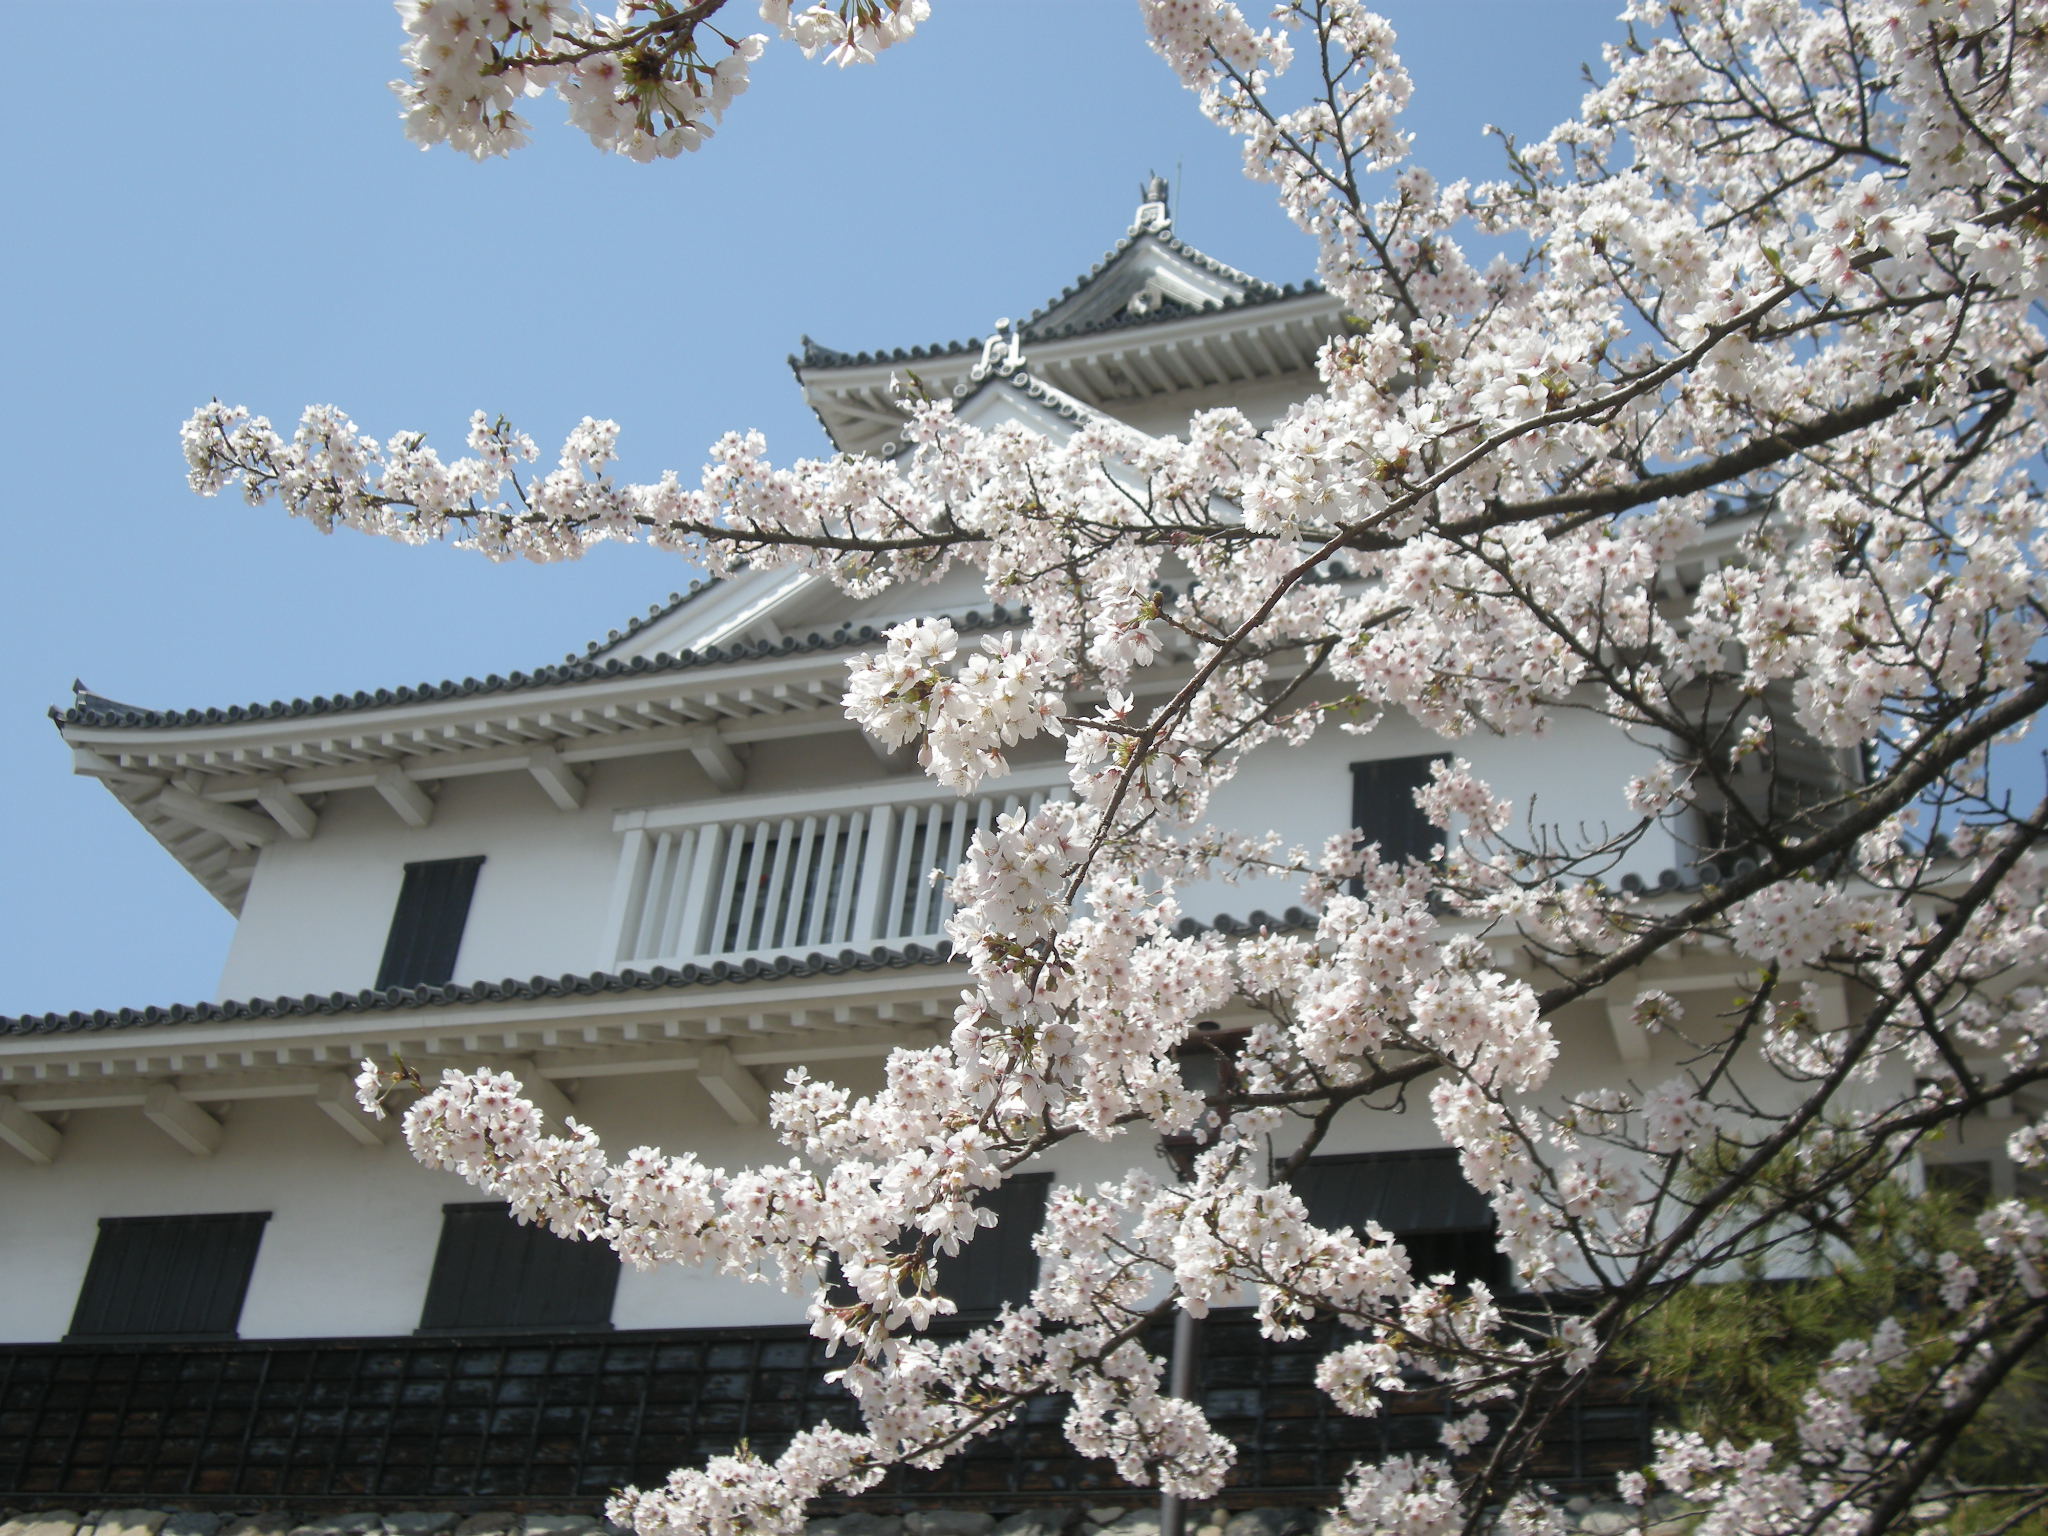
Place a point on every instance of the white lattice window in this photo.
(792, 874)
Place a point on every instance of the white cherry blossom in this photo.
(1736, 448)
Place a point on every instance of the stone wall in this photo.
(1583, 1516)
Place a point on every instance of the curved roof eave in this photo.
(93, 712)
(844, 962)
(818, 963)
(816, 358)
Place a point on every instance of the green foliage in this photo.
(1734, 1360)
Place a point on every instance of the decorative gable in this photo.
(1148, 275)
(767, 607)
(1154, 326)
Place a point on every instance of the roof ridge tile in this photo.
(1029, 329)
(582, 670)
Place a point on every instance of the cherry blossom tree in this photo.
(1775, 292)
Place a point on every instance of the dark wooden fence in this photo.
(560, 1421)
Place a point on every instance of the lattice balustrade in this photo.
(760, 886)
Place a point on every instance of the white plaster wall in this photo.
(1263, 401)
(1573, 779)
(318, 912)
(350, 1244)
(349, 1247)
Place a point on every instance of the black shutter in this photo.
(1383, 806)
(168, 1276)
(426, 930)
(1000, 1264)
(493, 1274)
(1421, 1197)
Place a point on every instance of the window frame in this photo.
(428, 923)
(994, 1250)
(1478, 1221)
(462, 1222)
(1375, 785)
(111, 1291)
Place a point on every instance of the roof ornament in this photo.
(1153, 215)
(1002, 352)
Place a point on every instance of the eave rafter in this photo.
(1154, 361)
(735, 1041)
(214, 793)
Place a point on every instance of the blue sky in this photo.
(224, 205)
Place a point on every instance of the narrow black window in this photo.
(1421, 1197)
(168, 1276)
(1383, 806)
(1968, 1183)
(492, 1274)
(426, 930)
(1000, 1264)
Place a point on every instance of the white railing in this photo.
(788, 880)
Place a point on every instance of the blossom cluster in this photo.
(639, 81)
(1736, 453)
(998, 698)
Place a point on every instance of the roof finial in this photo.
(1002, 352)
(1152, 212)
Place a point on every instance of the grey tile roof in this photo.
(1054, 399)
(1257, 291)
(658, 978)
(1172, 243)
(1057, 400)
(92, 709)
(654, 614)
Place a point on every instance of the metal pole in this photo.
(1180, 1383)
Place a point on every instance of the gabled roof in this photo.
(655, 613)
(1086, 305)
(511, 989)
(96, 711)
(213, 785)
(1153, 319)
(841, 962)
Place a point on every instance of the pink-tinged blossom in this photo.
(1731, 452)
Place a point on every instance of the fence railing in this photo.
(562, 1419)
(790, 881)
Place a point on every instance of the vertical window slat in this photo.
(654, 896)
(924, 895)
(804, 885)
(752, 876)
(719, 937)
(909, 833)
(426, 928)
(874, 875)
(775, 890)
(629, 890)
(832, 861)
(677, 910)
(846, 888)
(698, 924)
(965, 813)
